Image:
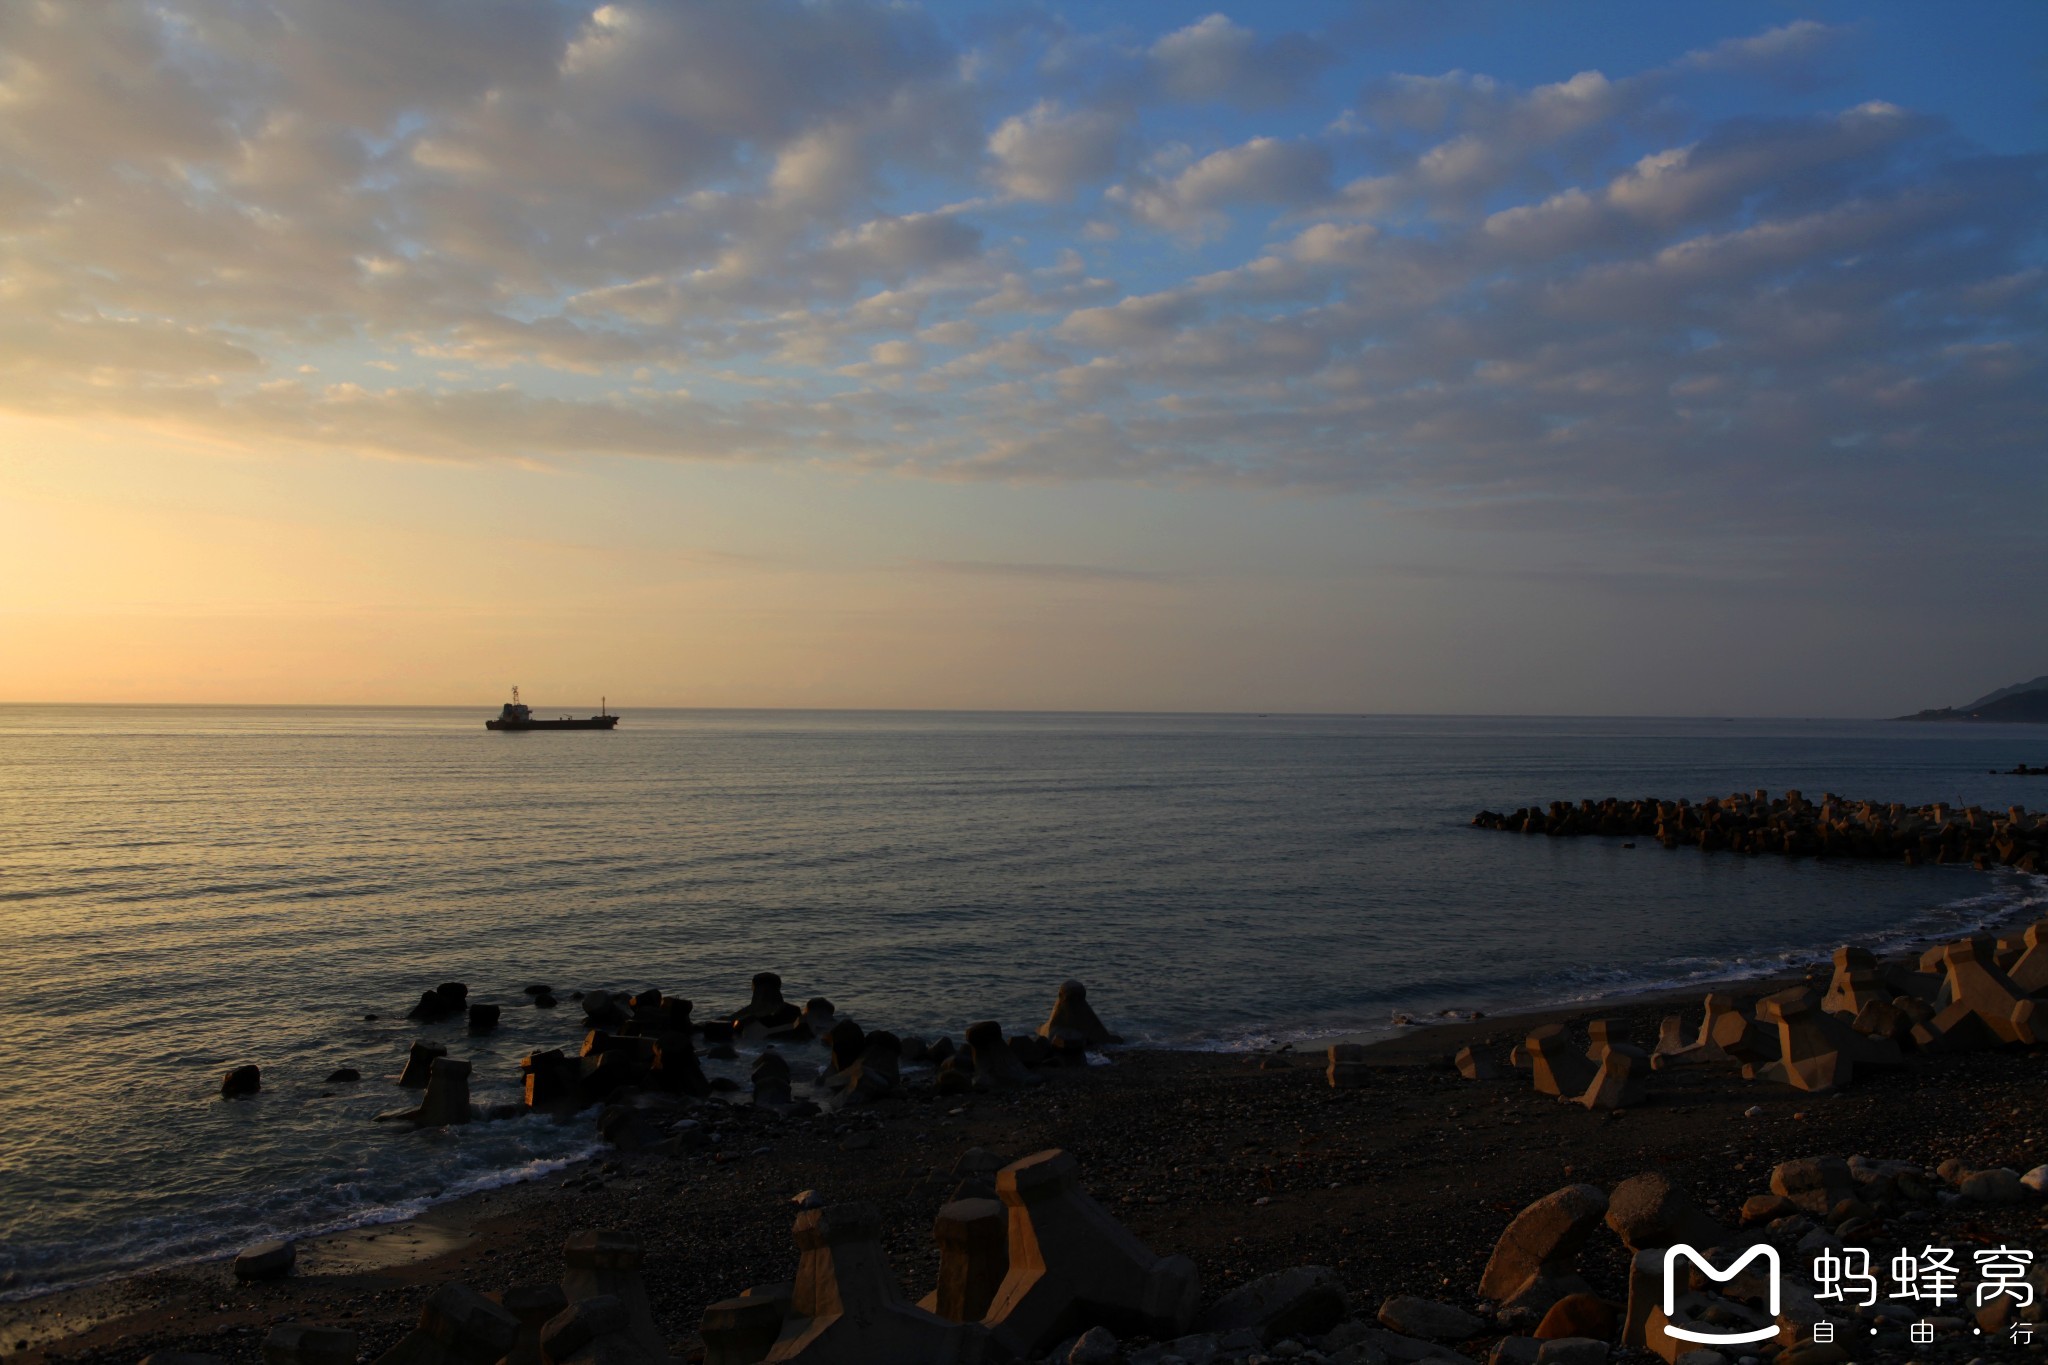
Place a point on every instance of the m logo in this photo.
(1671, 1259)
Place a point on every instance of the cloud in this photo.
(833, 233)
(1263, 171)
(1048, 153)
(1215, 59)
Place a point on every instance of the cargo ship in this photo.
(519, 716)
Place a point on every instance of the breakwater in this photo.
(1790, 825)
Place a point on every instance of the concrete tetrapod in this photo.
(847, 1308)
(1072, 1266)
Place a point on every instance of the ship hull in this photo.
(587, 723)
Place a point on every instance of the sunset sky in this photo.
(1586, 358)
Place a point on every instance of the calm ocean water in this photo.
(186, 889)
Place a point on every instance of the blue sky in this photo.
(1568, 358)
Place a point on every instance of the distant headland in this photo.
(2025, 702)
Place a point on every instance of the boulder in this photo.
(1649, 1210)
(1699, 1313)
(1096, 1346)
(1759, 1209)
(1513, 1350)
(457, 1326)
(445, 1001)
(266, 1260)
(974, 1257)
(483, 1018)
(1543, 1240)
(847, 1307)
(1073, 1017)
(1555, 1068)
(2000, 1185)
(845, 1039)
(1306, 1301)
(419, 1064)
(1581, 1315)
(243, 1080)
(1073, 1266)
(598, 1263)
(1428, 1319)
(1814, 1184)
(342, 1075)
(295, 1343)
(605, 1010)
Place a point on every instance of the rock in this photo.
(1701, 1357)
(1474, 1067)
(674, 1067)
(295, 1343)
(419, 1064)
(444, 1001)
(243, 1080)
(1554, 1067)
(1572, 1351)
(1645, 1292)
(343, 1075)
(1998, 1186)
(1428, 1319)
(1699, 1313)
(1543, 1240)
(995, 1066)
(1096, 1346)
(741, 1331)
(1623, 1079)
(1514, 1351)
(770, 1079)
(2036, 1179)
(1580, 1315)
(1759, 1209)
(1815, 1184)
(974, 1258)
(266, 1261)
(598, 1263)
(1535, 1296)
(1650, 1211)
(846, 1306)
(538, 988)
(1304, 1301)
(457, 1326)
(483, 1018)
(1073, 1017)
(1072, 1264)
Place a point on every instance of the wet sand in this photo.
(1247, 1164)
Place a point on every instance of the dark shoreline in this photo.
(1182, 1146)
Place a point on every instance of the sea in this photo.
(186, 889)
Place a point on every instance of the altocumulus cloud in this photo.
(840, 233)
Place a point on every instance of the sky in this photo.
(1400, 357)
